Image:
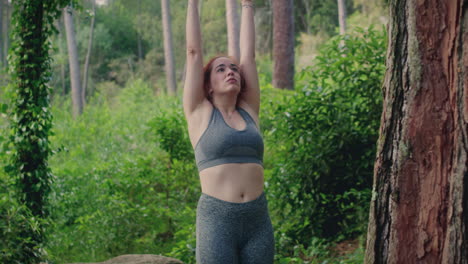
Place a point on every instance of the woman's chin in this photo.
(232, 89)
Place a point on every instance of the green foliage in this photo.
(213, 23)
(126, 179)
(324, 137)
(314, 16)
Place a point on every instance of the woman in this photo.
(221, 105)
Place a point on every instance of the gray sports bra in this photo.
(221, 144)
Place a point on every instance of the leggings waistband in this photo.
(218, 206)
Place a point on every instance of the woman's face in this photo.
(225, 77)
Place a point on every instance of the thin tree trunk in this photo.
(168, 52)
(342, 16)
(62, 54)
(200, 6)
(419, 207)
(1, 33)
(88, 53)
(283, 44)
(232, 20)
(77, 98)
(6, 31)
(139, 41)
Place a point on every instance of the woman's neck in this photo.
(226, 104)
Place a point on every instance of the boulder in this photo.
(139, 259)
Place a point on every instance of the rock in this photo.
(139, 259)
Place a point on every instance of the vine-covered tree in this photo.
(419, 208)
(31, 118)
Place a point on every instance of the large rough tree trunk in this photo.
(283, 44)
(168, 51)
(88, 53)
(77, 97)
(342, 16)
(419, 208)
(232, 21)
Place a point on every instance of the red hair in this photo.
(207, 74)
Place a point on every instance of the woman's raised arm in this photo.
(251, 93)
(194, 94)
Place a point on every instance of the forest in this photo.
(120, 175)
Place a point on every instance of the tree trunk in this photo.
(139, 41)
(419, 207)
(31, 121)
(283, 44)
(5, 31)
(2, 64)
(88, 53)
(75, 78)
(61, 52)
(342, 16)
(168, 52)
(232, 20)
(200, 6)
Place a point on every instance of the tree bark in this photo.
(88, 53)
(168, 51)
(283, 44)
(419, 207)
(75, 78)
(232, 21)
(342, 16)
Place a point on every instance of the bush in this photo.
(119, 186)
(322, 142)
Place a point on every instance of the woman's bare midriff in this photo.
(233, 182)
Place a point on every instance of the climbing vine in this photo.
(31, 121)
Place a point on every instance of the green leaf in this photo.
(3, 108)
